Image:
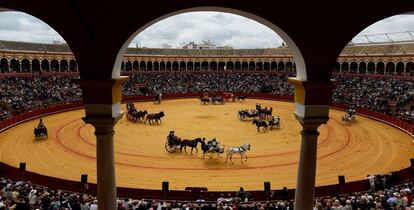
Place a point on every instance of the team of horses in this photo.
(143, 116)
(206, 100)
(209, 147)
(262, 117)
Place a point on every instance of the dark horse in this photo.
(155, 117)
(241, 98)
(190, 143)
(204, 100)
(204, 146)
(217, 100)
(140, 115)
(259, 124)
(264, 112)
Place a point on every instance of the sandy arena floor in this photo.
(367, 147)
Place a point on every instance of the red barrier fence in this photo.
(53, 182)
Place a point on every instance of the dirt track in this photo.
(366, 147)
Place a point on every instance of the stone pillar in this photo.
(102, 99)
(312, 100)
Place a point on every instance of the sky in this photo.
(220, 28)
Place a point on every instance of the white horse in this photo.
(240, 150)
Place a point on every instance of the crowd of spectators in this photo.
(377, 94)
(385, 95)
(215, 82)
(20, 195)
(21, 94)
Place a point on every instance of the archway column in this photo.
(312, 100)
(102, 99)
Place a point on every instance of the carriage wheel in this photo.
(169, 147)
(212, 155)
(239, 116)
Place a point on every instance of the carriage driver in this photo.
(213, 144)
(275, 120)
(41, 125)
(172, 137)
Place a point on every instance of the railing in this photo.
(53, 182)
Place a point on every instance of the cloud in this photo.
(221, 28)
(18, 26)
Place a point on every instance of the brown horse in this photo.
(154, 117)
(190, 143)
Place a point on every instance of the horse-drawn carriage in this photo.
(133, 114)
(205, 99)
(40, 132)
(264, 112)
(245, 114)
(273, 122)
(349, 116)
(212, 149)
(173, 143)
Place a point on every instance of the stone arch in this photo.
(54, 65)
(237, 66)
(399, 68)
(128, 66)
(135, 66)
(35, 65)
(26, 67)
(266, 66)
(174, 66)
(297, 55)
(390, 68)
(204, 66)
(344, 67)
(162, 66)
(281, 66)
(156, 66)
(168, 66)
(45, 66)
(409, 71)
(371, 68)
(252, 66)
(221, 66)
(353, 67)
(289, 66)
(273, 66)
(4, 65)
(142, 66)
(190, 66)
(149, 66)
(14, 65)
(380, 68)
(362, 68)
(64, 65)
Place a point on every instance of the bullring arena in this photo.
(143, 162)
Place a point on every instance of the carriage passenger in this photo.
(172, 137)
(213, 144)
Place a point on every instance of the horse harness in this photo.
(241, 149)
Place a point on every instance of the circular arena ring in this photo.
(365, 147)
